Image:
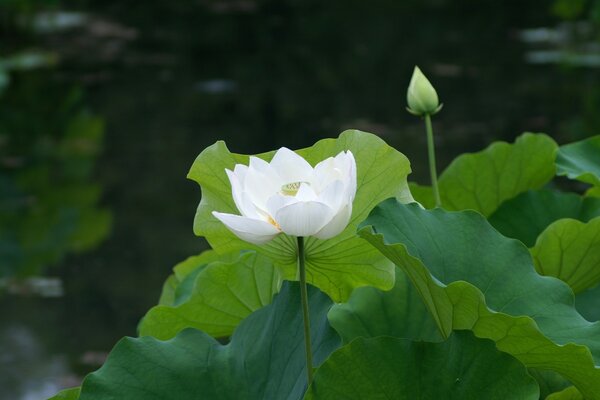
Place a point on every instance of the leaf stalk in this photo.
(432, 167)
(304, 301)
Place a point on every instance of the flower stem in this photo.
(432, 168)
(304, 300)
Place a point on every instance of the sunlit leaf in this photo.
(167, 295)
(528, 214)
(463, 367)
(67, 394)
(570, 393)
(264, 360)
(570, 250)
(482, 181)
(580, 160)
(471, 277)
(594, 191)
(337, 265)
(216, 298)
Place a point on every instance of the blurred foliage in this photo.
(569, 9)
(577, 9)
(11, 10)
(27, 5)
(49, 143)
(48, 203)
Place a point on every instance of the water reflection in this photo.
(49, 203)
(572, 44)
(141, 88)
(29, 372)
(34, 286)
(49, 208)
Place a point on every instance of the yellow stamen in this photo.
(273, 222)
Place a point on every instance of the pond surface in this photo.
(108, 105)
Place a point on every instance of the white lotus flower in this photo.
(289, 196)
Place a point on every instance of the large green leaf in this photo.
(337, 265)
(527, 215)
(570, 250)
(462, 367)
(471, 277)
(216, 298)
(548, 381)
(264, 360)
(588, 303)
(399, 312)
(580, 160)
(482, 181)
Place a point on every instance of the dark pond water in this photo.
(105, 105)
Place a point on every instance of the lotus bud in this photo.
(421, 96)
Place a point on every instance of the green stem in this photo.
(432, 168)
(304, 300)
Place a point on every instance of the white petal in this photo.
(342, 162)
(325, 173)
(260, 183)
(305, 193)
(304, 218)
(245, 208)
(249, 209)
(344, 158)
(248, 229)
(240, 171)
(352, 172)
(334, 195)
(278, 201)
(337, 224)
(265, 168)
(346, 164)
(290, 166)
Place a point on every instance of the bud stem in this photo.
(432, 168)
(304, 300)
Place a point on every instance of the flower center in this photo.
(291, 189)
